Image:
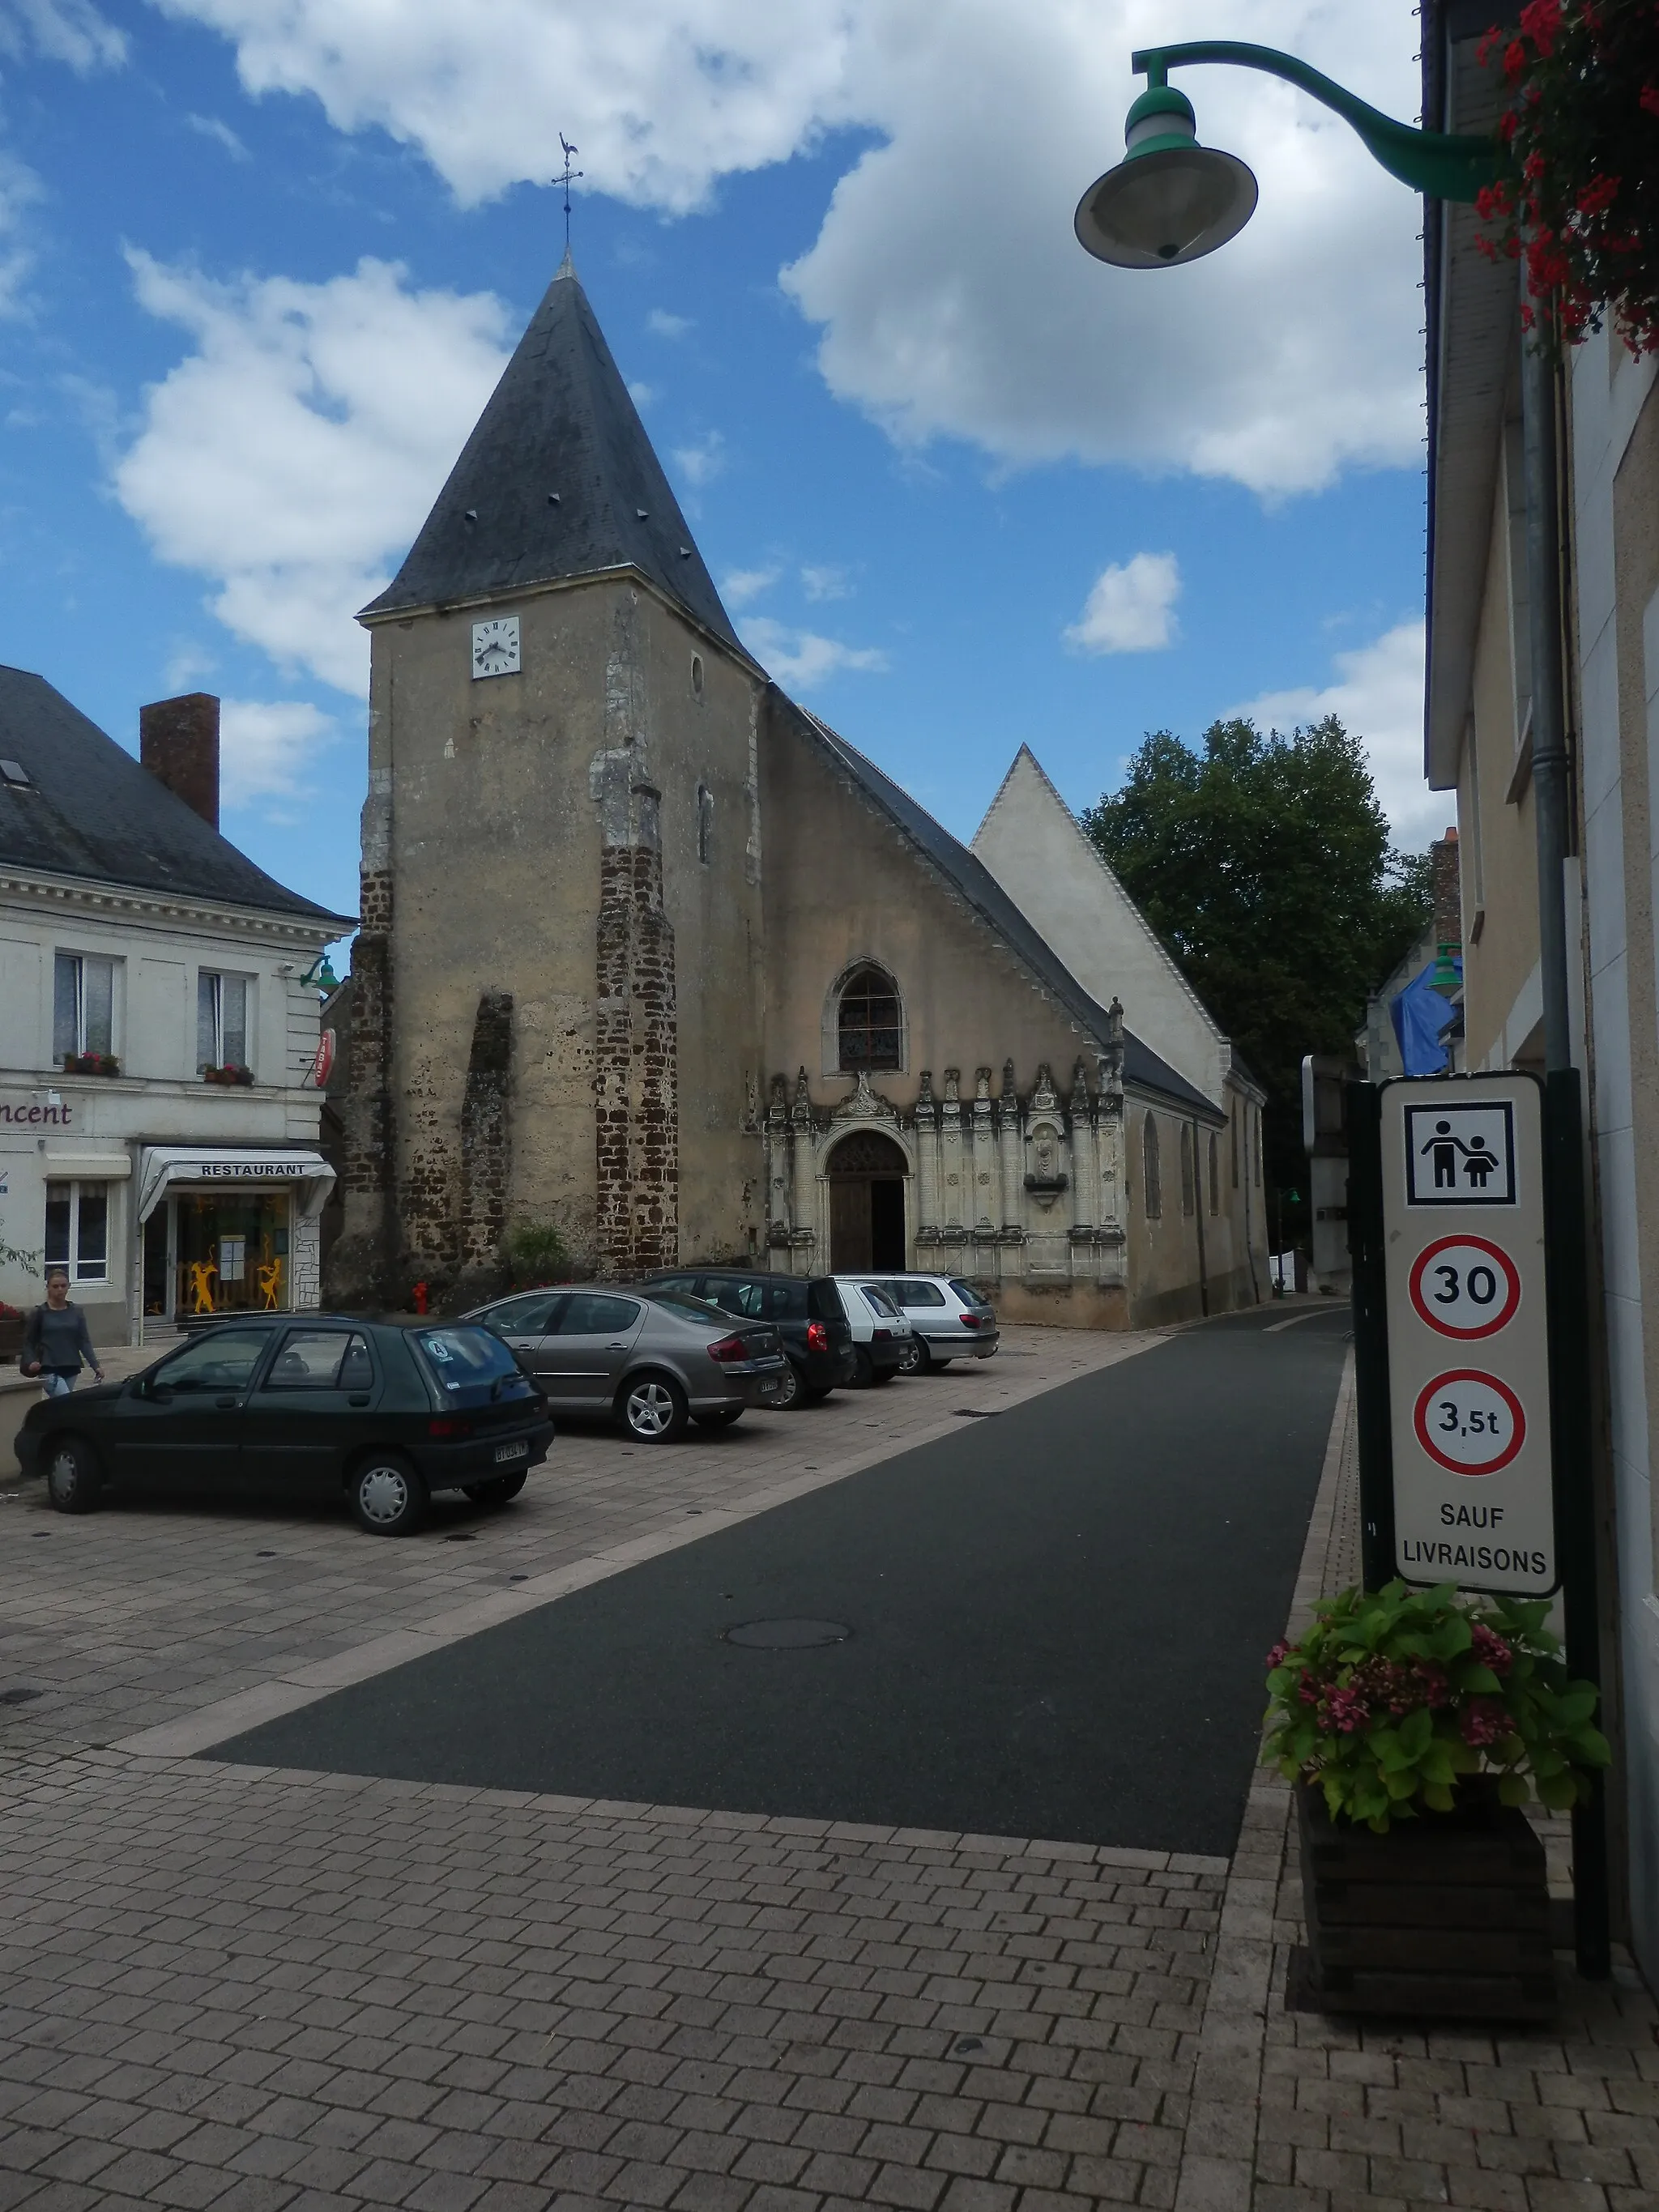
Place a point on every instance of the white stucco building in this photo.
(159, 1110)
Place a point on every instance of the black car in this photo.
(806, 1311)
(317, 1405)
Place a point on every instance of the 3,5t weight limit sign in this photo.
(1469, 1422)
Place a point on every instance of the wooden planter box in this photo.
(1447, 1917)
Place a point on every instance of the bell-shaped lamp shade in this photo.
(1169, 200)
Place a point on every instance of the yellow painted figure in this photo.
(202, 1273)
(270, 1284)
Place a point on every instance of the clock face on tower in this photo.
(496, 646)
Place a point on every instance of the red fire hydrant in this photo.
(420, 1298)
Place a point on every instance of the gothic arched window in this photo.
(1215, 1177)
(868, 1021)
(1149, 1174)
(1188, 1196)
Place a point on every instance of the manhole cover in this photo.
(19, 1696)
(787, 1635)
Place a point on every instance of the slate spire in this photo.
(557, 480)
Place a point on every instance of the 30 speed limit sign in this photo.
(1467, 1347)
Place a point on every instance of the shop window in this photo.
(1151, 1175)
(222, 1025)
(868, 1022)
(230, 1253)
(77, 1229)
(83, 1004)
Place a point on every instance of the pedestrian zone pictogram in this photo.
(1462, 1154)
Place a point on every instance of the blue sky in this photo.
(258, 267)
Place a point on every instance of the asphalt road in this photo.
(1057, 1620)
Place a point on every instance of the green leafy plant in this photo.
(534, 1253)
(1394, 1696)
(1577, 197)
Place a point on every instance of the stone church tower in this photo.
(562, 733)
(653, 956)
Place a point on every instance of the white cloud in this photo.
(267, 751)
(701, 462)
(740, 586)
(801, 657)
(641, 393)
(662, 324)
(295, 452)
(949, 295)
(1131, 608)
(824, 583)
(20, 188)
(210, 126)
(69, 30)
(1378, 696)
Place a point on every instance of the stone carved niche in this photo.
(1045, 1143)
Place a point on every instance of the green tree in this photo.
(1264, 865)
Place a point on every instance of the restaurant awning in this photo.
(231, 1167)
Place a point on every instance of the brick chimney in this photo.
(178, 743)
(1448, 892)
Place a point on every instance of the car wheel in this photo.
(721, 1418)
(75, 1482)
(654, 1408)
(864, 1372)
(792, 1391)
(387, 1496)
(499, 1490)
(914, 1357)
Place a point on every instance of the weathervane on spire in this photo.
(566, 178)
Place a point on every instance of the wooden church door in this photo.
(866, 1203)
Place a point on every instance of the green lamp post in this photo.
(1170, 200)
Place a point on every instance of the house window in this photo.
(868, 1022)
(77, 1229)
(705, 823)
(221, 1020)
(1188, 1195)
(83, 1004)
(1150, 1178)
(1215, 1174)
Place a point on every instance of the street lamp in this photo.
(1169, 201)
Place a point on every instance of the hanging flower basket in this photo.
(1578, 197)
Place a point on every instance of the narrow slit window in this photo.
(1151, 1170)
(705, 824)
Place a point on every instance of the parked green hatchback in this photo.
(378, 1414)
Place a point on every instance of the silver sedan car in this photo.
(651, 1360)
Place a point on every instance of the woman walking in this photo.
(55, 1340)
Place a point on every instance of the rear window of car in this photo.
(688, 1308)
(909, 1293)
(758, 1297)
(460, 1357)
(970, 1296)
(878, 1302)
(823, 1300)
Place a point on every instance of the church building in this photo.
(652, 955)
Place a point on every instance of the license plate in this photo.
(511, 1451)
(770, 1388)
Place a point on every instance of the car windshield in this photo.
(682, 1303)
(970, 1296)
(465, 1356)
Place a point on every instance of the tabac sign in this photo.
(1467, 1338)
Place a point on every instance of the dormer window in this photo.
(869, 1022)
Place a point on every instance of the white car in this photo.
(881, 1335)
(949, 1319)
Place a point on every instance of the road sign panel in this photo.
(1461, 1153)
(1465, 1286)
(1471, 1446)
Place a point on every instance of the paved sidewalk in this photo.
(242, 1988)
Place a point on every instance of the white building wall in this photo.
(1032, 844)
(49, 1120)
(1606, 400)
